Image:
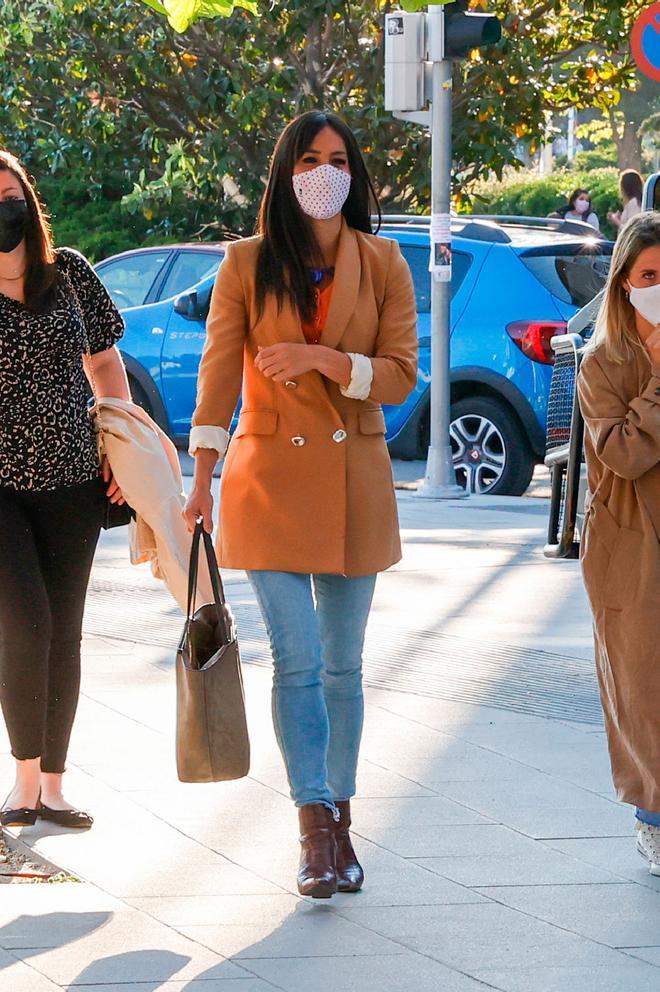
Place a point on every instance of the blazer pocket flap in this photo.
(256, 422)
(371, 422)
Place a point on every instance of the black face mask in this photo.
(13, 221)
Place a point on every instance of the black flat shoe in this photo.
(75, 819)
(24, 817)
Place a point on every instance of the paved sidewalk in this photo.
(496, 855)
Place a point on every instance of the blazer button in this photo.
(298, 441)
(339, 436)
(291, 384)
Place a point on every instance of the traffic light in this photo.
(465, 30)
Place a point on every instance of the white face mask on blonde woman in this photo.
(646, 302)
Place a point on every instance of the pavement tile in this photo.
(450, 760)
(453, 841)
(246, 984)
(311, 931)
(222, 801)
(219, 878)
(603, 819)
(530, 866)
(128, 949)
(371, 815)
(610, 978)
(650, 954)
(16, 976)
(534, 790)
(375, 782)
(477, 937)
(394, 881)
(617, 855)
(400, 973)
(51, 929)
(619, 915)
(178, 911)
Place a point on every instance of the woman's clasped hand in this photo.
(281, 362)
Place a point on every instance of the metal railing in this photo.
(565, 440)
(565, 435)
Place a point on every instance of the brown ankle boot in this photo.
(317, 874)
(350, 876)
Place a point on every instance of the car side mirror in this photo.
(651, 198)
(186, 305)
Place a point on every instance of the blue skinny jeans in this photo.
(316, 625)
(646, 816)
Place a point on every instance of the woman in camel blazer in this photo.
(316, 318)
(619, 391)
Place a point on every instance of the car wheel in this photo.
(490, 451)
(139, 395)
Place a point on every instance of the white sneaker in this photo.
(648, 845)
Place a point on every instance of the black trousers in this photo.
(47, 544)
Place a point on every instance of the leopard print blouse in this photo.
(46, 437)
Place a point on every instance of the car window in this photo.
(417, 258)
(188, 268)
(572, 273)
(128, 279)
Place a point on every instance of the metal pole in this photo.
(440, 479)
(570, 142)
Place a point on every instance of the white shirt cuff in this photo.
(362, 375)
(216, 438)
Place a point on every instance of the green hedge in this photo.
(527, 194)
(91, 218)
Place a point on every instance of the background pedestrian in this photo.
(579, 208)
(619, 390)
(631, 186)
(53, 309)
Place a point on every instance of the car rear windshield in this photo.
(572, 273)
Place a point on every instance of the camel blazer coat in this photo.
(621, 562)
(307, 481)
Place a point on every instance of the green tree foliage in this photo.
(106, 96)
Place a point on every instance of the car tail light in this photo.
(533, 338)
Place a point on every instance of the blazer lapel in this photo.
(285, 325)
(348, 270)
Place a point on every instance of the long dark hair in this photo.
(631, 185)
(289, 245)
(40, 271)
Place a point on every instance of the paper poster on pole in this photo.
(440, 254)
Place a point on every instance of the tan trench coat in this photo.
(327, 504)
(621, 562)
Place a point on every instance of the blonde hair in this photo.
(616, 330)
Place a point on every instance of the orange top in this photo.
(314, 329)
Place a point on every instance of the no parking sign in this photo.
(645, 42)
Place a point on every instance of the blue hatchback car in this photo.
(515, 284)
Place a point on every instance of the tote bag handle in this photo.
(214, 571)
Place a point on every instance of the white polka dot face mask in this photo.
(322, 191)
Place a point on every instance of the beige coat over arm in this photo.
(621, 562)
(307, 482)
